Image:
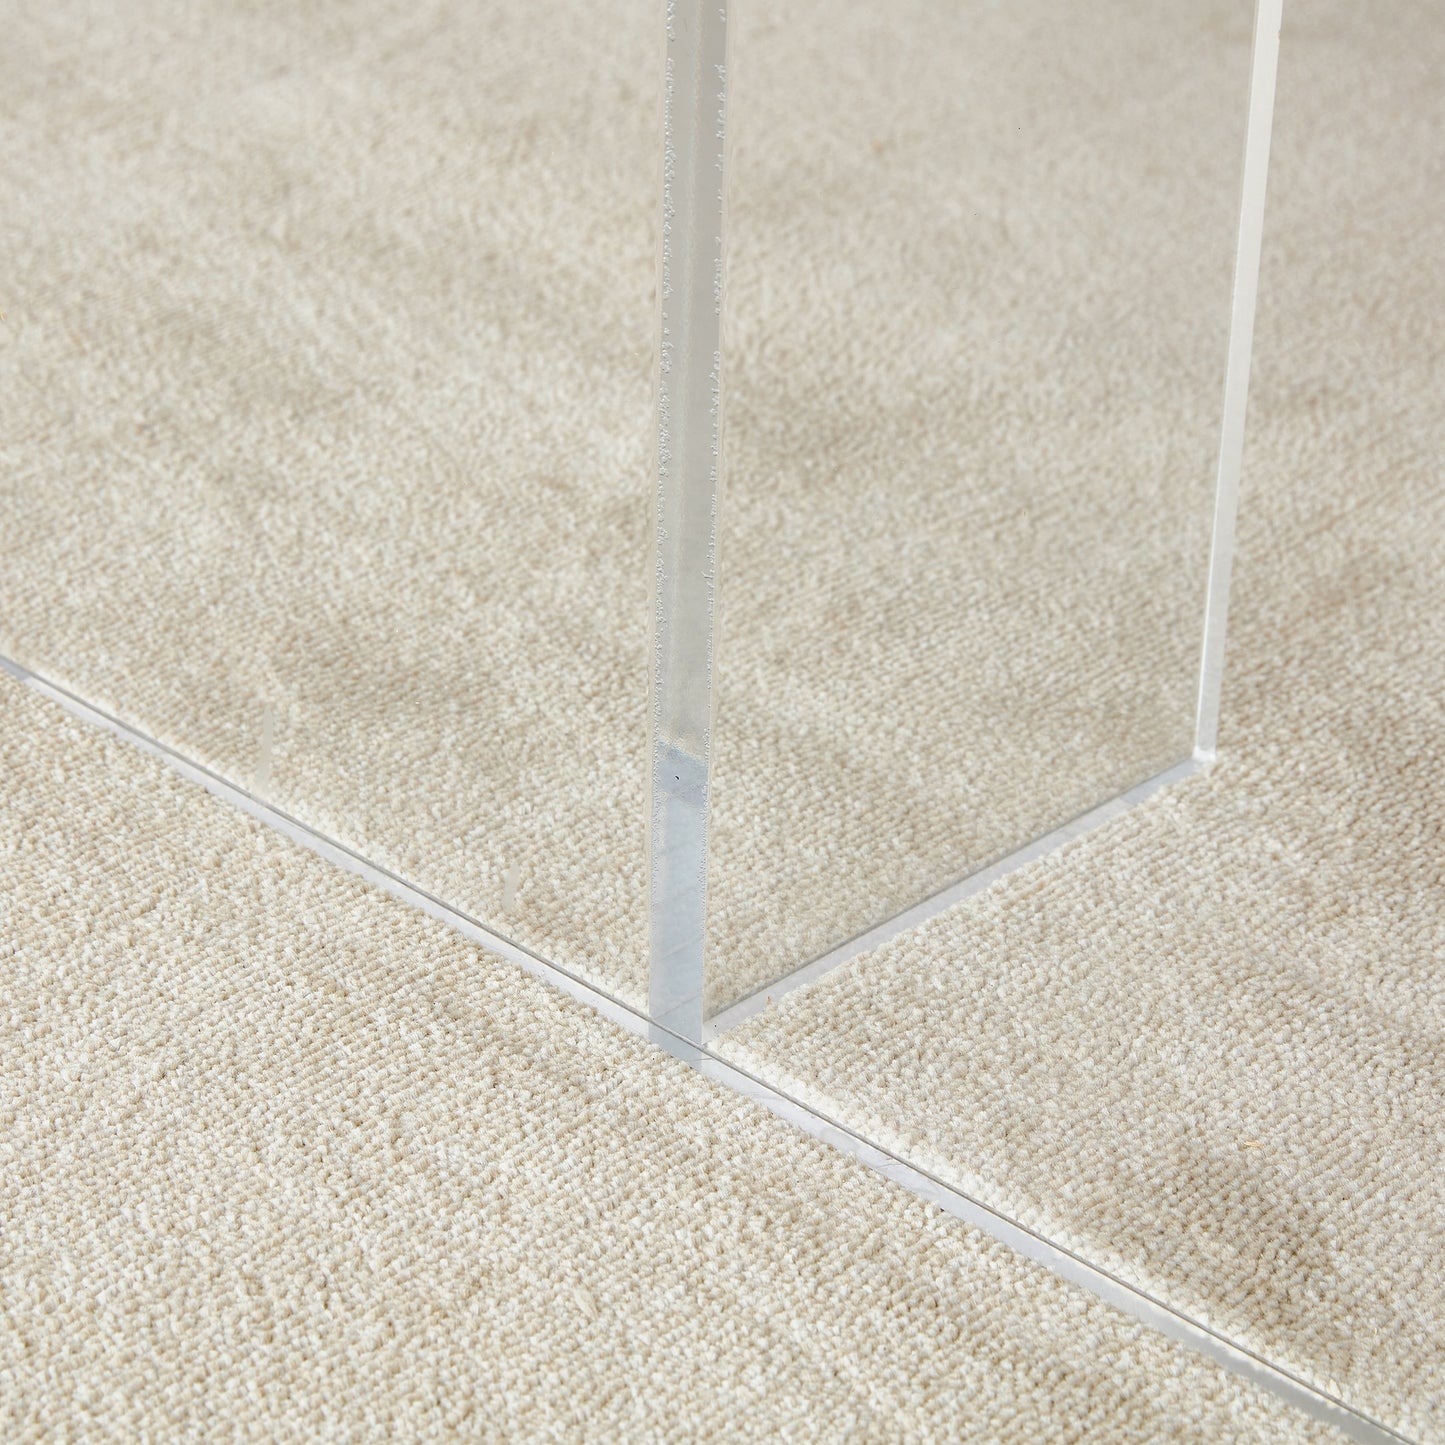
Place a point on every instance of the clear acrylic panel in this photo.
(328, 378)
(976, 323)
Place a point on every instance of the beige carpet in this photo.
(329, 394)
(1207, 1043)
(328, 379)
(284, 326)
(281, 1159)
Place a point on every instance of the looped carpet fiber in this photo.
(280, 1159)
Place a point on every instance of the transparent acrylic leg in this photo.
(689, 476)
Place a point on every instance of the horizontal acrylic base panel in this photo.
(1067, 1263)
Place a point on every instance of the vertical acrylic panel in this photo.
(976, 325)
(689, 423)
(326, 437)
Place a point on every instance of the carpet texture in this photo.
(326, 448)
(328, 410)
(281, 1159)
(1207, 1042)
(304, 305)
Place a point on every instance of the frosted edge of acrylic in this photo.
(1259, 127)
(689, 473)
